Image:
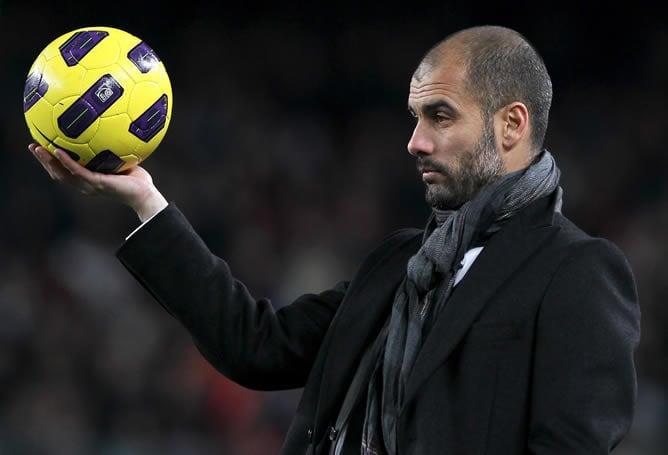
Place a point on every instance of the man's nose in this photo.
(420, 142)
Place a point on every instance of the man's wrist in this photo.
(150, 206)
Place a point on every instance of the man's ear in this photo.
(513, 122)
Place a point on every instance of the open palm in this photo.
(133, 187)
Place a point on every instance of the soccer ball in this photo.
(102, 95)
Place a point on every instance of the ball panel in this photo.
(39, 122)
(63, 81)
(41, 137)
(106, 53)
(34, 89)
(151, 121)
(93, 103)
(143, 57)
(120, 105)
(106, 162)
(113, 136)
(80, 44)
(86, 134)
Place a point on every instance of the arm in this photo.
(584, 387)
(243, 337)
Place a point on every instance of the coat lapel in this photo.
(508, 249)
(361, 316)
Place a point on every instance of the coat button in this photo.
(333, 433)
(309, 434)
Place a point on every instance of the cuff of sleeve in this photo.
(158, 235)
(143, 224)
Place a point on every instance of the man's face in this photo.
(454, 145)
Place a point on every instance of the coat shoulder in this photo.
(570, 233)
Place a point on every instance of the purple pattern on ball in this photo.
(143, 57)
(106, 162)
(151, 121)
(34, 89)
(83, 112)
(80, 44)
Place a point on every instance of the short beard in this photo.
(477, 168)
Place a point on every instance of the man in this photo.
(501, 328)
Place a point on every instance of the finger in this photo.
(57, 170)
(82, 177)
(48, 161)
(43, 155)
(67, 162)
(33, 149)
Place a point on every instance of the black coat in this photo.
(533, 353)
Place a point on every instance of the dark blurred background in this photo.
(287, 151)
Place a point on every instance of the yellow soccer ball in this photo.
(102, 95)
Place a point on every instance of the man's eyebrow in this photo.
(435, 106)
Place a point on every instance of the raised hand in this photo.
(133, 187)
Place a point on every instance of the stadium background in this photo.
(287, 152)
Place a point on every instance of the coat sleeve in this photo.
(588, 328)
(245, 338)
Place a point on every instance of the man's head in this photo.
(481, 98)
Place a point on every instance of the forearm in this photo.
(241, 336)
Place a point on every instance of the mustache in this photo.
(424, 163)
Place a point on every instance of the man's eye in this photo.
(441, 118)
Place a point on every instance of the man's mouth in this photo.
(428, 174)
(429, 171)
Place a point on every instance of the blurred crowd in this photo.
(287, 153)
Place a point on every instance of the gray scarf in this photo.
(428, 284)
